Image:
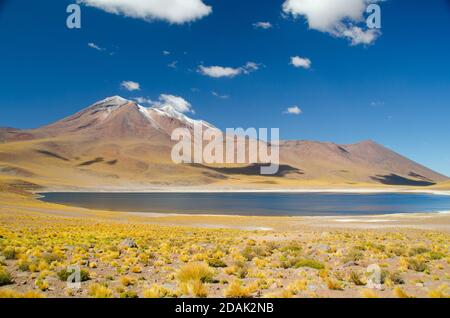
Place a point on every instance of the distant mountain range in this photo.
(117, 143)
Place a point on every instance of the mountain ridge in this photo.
(118, 142)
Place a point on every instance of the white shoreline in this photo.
(228, 190)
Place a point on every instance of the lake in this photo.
(257, 204)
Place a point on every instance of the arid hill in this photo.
(117, 143)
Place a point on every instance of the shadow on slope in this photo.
(393, 179)
(252, 170)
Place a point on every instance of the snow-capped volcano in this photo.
(116, 116)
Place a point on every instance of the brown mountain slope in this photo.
(118, 143)
(442, 186)
(362, 162)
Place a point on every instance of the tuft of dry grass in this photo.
(369, 293)
(237, 290)
(100, 291)
(157, 291)
(195, 272)
(399, 293)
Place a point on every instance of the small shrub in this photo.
(215, 262)
(100, 291)
(334, 284)
(195, 288)
(396, 278)
(298, 286)
(51, 257)
(195, 272)
(237, 290)
(368, 293)
(7, 293)
(129, 294)
(417, 265)
(440, 292)
(5, 278)
(436, 255)
(309, 263)
(10, 253)
(399, 293)
(354, 256)
(42, 284)
(136, 269)
(157, 291)
(127, 281)
(23, 265)
(64, 275)
(357, 278)
(292, 247)
(418, 250)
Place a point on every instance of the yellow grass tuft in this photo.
(100, 291)
(368, 293)
(195, 272)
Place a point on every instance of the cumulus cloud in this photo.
(220, 71)
(262, 25)
(339, 18)
(302, 62)
(172, 11)
(130, 86)
(95, 47)
(165, 52)
(176, 102)
(294, 110)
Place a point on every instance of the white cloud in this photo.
(263, 25)
(356, 35)
(250, 67)
(95, 46)
(376, 103)
(165, 52)
(336, 17)
(143, 100)
(294, 110)
(130, 86)
(176, 102)
(173, 64)
(220, 71)
(219, 95)
(172, 11)
(298, 62)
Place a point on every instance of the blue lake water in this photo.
(257, 204)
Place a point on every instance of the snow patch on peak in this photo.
(171, 112)
(113, 100)
(147, 114)
(107, 106)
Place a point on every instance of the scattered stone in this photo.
(351, 263)
(128, 243)
(323, 247)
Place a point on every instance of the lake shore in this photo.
(350, 190)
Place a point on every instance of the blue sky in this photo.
(396, 90)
